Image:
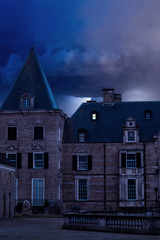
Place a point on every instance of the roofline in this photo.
(34, 111)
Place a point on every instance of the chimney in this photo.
(110, 97)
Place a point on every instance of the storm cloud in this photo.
(85, 45)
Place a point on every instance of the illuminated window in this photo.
(94, 116)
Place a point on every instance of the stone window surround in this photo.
(136, 188)
(131, 151)
(28, 99)
(77, 178)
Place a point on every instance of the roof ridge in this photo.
(48, 88)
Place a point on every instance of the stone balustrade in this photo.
(112, 223)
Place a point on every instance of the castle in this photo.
(106, 157)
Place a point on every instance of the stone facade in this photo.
(106, 181)
(121, 171)
(31, 127)
(7, 191)
(51, 144)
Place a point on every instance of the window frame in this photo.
(38, 200)
(78, 179)
(135, 190)
(38, 160)
(81, 136)
(94, 116)
(34, 132)
(79, 168)
(131, 161)
(131, 141)
(26, 102)
(12, 160)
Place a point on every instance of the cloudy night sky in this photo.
(84, 46)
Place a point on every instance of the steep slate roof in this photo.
(111, 119)
(31, 80)
(4, 161)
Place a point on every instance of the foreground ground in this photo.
(51, 228)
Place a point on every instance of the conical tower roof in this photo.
(33, 81)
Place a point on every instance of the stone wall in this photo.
(107, 180)
(7, 191)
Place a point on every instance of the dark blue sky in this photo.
(84, 46)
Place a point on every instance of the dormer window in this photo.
(94, 115)
(148, 114)
(26, 102)
(130, 131)
(131, 136)
(82, 135)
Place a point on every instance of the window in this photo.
(131, 160)
(131, 189)
(37, 191)
(12, 133)
(82, 189)
(148, 115)
(26, 102)
(12, 157)
(81, 136)
(82, 162)
(38, 133)
(38, 160)
(131, 136)
(94, 116)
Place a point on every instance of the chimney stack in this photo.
(110, 97)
